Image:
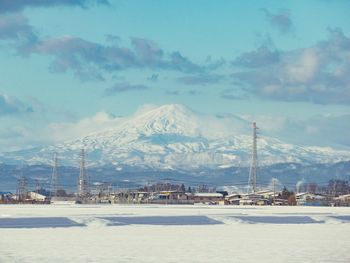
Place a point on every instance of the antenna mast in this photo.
(254, 162)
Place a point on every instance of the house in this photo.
(267, 194)
(5, 197)
(342, 200)
(260, 198)
(310, 199)
(170, 197)
(233, 199)
(253, 199)
(280, 201)
(173, 195)
(36, 197)
(224, 193)
(141, 196)
(207, 198)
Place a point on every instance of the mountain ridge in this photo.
(174, 137)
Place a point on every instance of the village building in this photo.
(34, 196)
(5, 197)
(207, 198)
(342, 200)
(309, 199)
(233, 199)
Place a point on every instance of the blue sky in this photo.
(64, 62)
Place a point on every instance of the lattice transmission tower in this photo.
(54, 177)
(254, 162)
(83, 181)
(22, 188)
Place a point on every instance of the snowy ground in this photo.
(121, 233)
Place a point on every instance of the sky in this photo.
(67, 65)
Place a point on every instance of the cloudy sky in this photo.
(67, 65)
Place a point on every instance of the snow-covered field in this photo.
(127, 233)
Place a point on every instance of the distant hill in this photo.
(288, 174)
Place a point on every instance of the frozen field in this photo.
(121, 233)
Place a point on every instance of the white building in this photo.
(36, 197)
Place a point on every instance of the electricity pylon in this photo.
(54, 177)
(254, 162)
(83, 182)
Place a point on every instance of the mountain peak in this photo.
(170, 109)
(169, 118)
(174, 107)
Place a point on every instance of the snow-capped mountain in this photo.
(175, 137)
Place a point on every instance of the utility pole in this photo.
(254, 162)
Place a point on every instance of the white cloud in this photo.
(316, 74)
(13, 106)
(305, 68)
(64, 131)
(320, 130)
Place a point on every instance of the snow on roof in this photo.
(265, 192)
(301, 194)
(31, 193)
(208, 195)
(315, 196)
(233, 195)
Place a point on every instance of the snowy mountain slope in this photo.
(174, 137)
